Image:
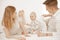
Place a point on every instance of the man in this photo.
(54, 12)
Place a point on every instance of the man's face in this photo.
(49, 8)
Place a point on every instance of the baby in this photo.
(35, 25)
(22, 22)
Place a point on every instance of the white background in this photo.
(27, 5)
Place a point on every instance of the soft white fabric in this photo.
(54, 22)
(52, 25)
(37, 26)
(57, 19)
(2, 34)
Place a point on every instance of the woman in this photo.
(9, 19)
(9, 22)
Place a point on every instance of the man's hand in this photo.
(49, 34)
(47, 15)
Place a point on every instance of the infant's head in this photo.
(21, 13)
(33, 16)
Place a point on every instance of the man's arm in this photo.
(47, 15)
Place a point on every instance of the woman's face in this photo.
(14, 16)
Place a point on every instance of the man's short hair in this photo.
(50, 2)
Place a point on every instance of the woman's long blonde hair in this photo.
(7, 19)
